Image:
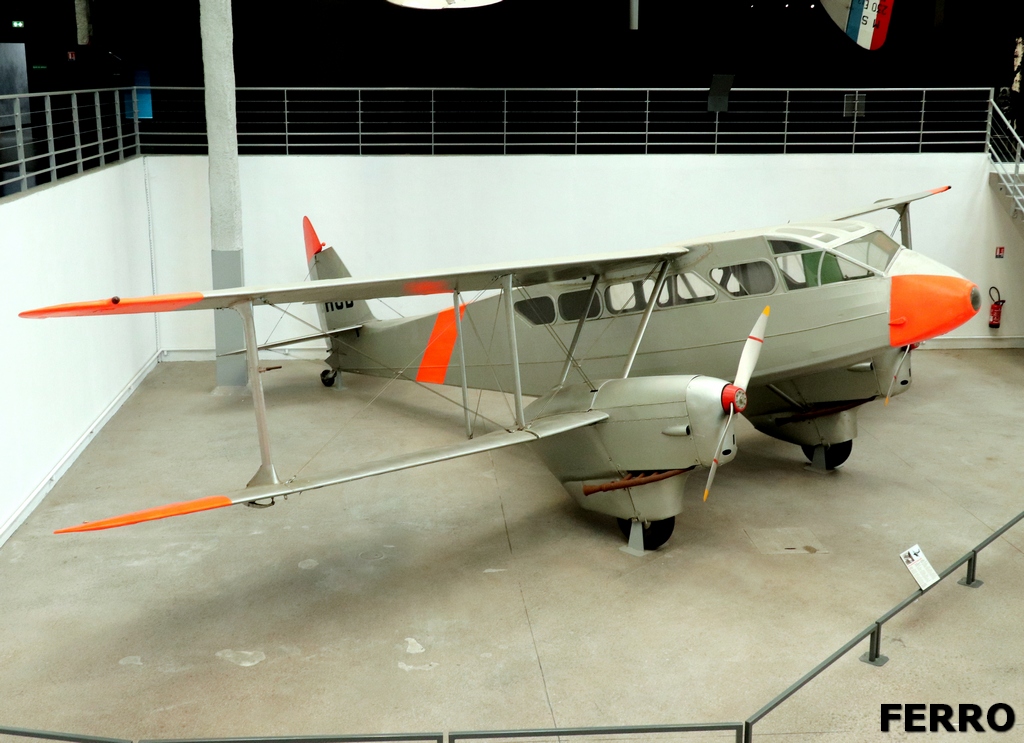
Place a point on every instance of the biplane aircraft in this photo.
(629, 354)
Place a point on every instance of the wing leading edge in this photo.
(538, 429)
(349, 289)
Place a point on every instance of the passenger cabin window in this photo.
(877, 250)
(624, 297)
(803, 267)
(570, 305)
(634, 296)
(537, 310)
(691, 288)
(745, 279)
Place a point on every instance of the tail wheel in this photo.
(327, 376)
(835, 455)
(656, 533)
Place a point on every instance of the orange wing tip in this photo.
(152, 514)
(941, 189)
(767, 310)
(117, 306)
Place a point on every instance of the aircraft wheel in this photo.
(655, 534)
(835, 454)
(327, 376)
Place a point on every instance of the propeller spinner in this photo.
(734, 396)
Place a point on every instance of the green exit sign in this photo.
(18, 24)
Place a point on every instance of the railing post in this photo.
(49, 140)
(988, 123)
(504, 122)
(1016, 161)
(359, 118)
(920, 134)
(117, 118)
(874, 654)
(647, 121)
(748, 732)
(431, 121)
(99, 126)
(576, 127)
(856, 102)
(78, 131)
(19, 139)
(970, 580)
(135, 116)
(286, 152)
(785, 127)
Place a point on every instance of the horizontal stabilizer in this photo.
(525, 273)
(897, 204)
(539, 429)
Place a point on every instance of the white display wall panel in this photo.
(396, 214)
(82, 239)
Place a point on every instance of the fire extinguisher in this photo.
(995, 312)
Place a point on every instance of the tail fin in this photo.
(324, 263)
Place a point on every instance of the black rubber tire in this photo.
(327, 377)
(835, 455)
(655, 534)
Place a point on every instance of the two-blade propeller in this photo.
(734, 396)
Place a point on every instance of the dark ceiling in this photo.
(521, 43)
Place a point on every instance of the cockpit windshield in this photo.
(875, 249)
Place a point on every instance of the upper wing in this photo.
(896, 204)
(333, 290)
(538, 429)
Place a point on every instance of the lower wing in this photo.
(538, 429)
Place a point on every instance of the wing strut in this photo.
(648, 311)
(265, 475)
(514, 349)
(579, 329)
(456, 300)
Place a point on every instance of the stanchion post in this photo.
(970, 580)
(874, 654)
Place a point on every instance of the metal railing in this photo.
(1005, 149)
(45, 136)
(451, 121)
(744, 731)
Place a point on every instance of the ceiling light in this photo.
(442, 4)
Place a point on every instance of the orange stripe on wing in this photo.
(152, 514)
(438, 354)
(117, 306)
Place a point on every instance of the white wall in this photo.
(85, 238)
(396, 214)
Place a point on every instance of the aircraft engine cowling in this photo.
(657, 427)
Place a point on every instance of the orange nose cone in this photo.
(922, 306)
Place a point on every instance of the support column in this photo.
(225, 191)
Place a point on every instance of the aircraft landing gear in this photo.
(327, 376)
(829, 457)
(656, 533)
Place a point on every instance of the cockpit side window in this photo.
(803, 267)
(876, 250)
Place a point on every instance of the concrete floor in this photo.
(475, 595)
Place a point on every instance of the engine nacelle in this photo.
(656, 426)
